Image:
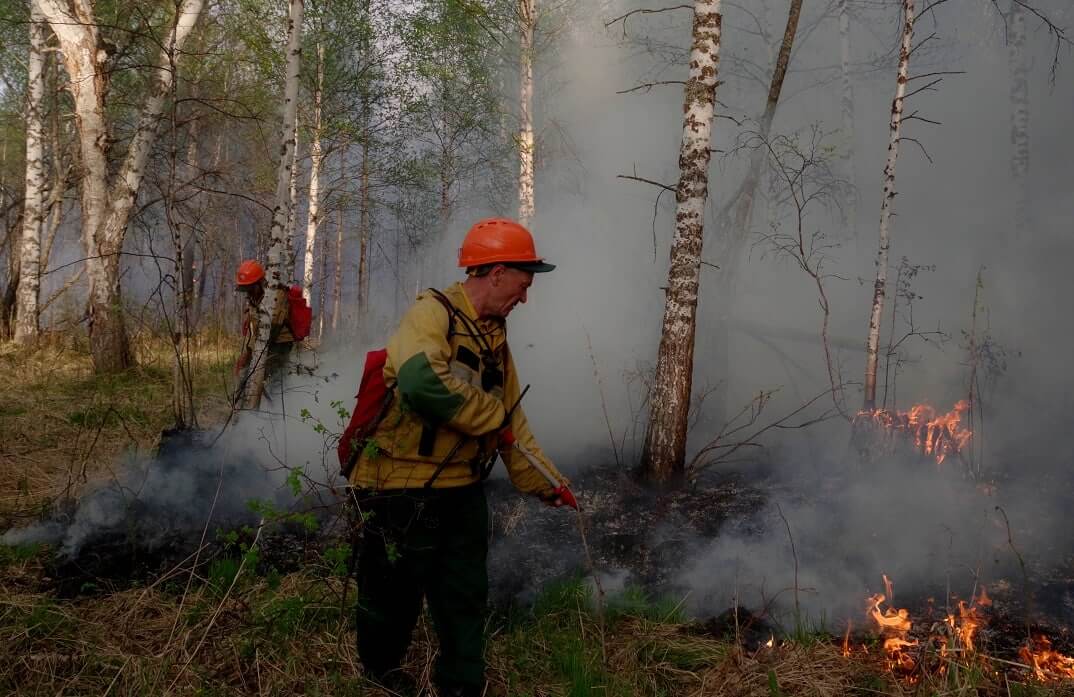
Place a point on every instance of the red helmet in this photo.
(249, 272)
(501, 241)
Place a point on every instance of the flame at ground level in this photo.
(934, 435)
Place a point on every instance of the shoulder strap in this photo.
(451, 310)
(471, 327)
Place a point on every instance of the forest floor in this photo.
(234, 625)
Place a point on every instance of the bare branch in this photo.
(647, 86)
(644, 11)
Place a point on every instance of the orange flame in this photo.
(935, 435)
(894, 624)
(1046, 663)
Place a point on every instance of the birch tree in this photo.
(107, 201)
(313, 217)
(279, 233)
(664, 453)
(527, 21)
(872, 345)
(27, 322)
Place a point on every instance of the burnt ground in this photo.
(636, 535)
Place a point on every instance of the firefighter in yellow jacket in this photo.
(418, 479)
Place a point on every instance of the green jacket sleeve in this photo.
(420, 352)
(523, 475)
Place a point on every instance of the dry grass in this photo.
(62, 426)
(206, 631)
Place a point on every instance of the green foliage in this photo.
(635, 602)
(18, 554)
(338, 558)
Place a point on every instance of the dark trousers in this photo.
(431, 544)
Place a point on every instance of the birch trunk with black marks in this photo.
(872, 344)
(1016, 43)
(846, 104)
(527, 17)
(313, 217)
(292, 198)
(664, 453)
(279, 234)
(106, 205)
(27, 322)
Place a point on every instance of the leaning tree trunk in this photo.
(872, 345)
(847, 108)
(664, 454)
(279, 233)
(106, 207)
(27, 316)
(313, 217)
(1016, 42)
(736, 218)
(527, 17)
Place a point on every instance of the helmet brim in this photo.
(531, 266)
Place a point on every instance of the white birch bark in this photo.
(292, 200)
(1016, 42)
(665, 439)
(279, 233)
(872, 345)
(106, 206)
(527, 21)
(29, 291)
(313, 217)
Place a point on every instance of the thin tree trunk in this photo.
(337, 279)
(665, 439)
(1016, 42)
(736, 218)
(322, 290)
(27, 324)
(106, 208)
(313, 217)
(847, 109)
(872, 345)
(527, 21)
(280, 233)
(364, 230)
(292, 212)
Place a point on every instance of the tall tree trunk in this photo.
(364, 231)
(322, 290)
(527, 21)
(279, 233)
(736, 218)
(313, 217)
(27, 322)
(847, 108)
(669, 404)
(106, 207)
(872, 345)
(1016, 42)
(337, 278)
(292, 212)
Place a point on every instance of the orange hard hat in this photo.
(501, 241)
(249, 272)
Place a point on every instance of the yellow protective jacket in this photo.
(443, 391)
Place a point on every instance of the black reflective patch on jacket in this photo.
(468, 358)
(491, 377)
(428, 440)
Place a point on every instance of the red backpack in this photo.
(300, 314)
(374, 397)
